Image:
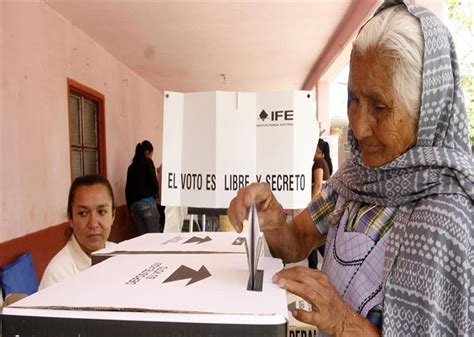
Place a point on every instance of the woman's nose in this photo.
(361, 123)
(93, 220)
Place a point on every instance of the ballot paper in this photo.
(254, 246)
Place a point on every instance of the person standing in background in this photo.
(322, 170)
(322, 167)
(141, 190)
(161, 208)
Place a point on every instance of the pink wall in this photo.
(323, 115)
(39, 51)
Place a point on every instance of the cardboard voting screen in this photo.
(198, 283)
(217, 142)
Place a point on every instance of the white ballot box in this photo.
(176, 243)
(156, 295)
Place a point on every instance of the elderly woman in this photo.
(397, 216)
(91, 211)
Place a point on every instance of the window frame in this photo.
(74, 87)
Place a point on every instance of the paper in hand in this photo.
(254, 245)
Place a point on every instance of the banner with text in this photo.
(217, 142)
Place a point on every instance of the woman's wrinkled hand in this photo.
(329, 311)
(270, 212)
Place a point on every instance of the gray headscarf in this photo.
(440, 162)
(425, 291)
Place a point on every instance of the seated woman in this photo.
(91, 211)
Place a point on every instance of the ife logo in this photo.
(275, 118)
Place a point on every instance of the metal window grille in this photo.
(83, 117)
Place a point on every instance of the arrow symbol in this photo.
(184, 272)
(198, 240)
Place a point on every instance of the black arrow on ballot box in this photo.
(184, 272)
(198, 240)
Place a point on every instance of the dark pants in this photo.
(146, 217)
(161, 211)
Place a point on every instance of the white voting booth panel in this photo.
(156, 295)
(173, 243)
(217, 142)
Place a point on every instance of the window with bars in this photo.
(85, 112)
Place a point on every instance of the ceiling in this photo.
(222, 45)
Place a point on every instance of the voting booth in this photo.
(214, 143)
